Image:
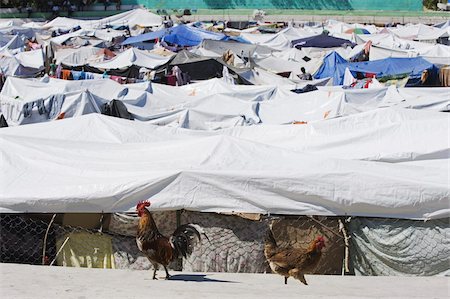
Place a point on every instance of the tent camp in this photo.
(216, 128)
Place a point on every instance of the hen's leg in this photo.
(285, 279)
(301, 277)
(167, 273)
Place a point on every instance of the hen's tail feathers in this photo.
(270, 245)
(270, 239)
(185, 238)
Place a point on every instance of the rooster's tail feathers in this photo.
(185, 237)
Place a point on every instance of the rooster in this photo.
(293, 262)
(159, 249)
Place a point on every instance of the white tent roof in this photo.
(279, 41)
(79, 56)
(388, 45)
(215, 172)
(21, 64)
(419, 32)
(102, 34)
(131, 57)
(134, 18)
(213, 104)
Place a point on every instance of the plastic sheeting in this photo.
(256, 171)
(419, 32)
(384, 67)
(321, 41)
(134, 18)
(213, 104)
(329, 65)
(400, 248)
(280, 41)
(389, 45)
(79, 56)
(21, 64)
(181, 35)
(131, 57)
(102, 34)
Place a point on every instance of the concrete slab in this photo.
(26, 281)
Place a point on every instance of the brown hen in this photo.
(290, 261)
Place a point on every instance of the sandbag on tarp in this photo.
(321, 41)
(116, 108)
(3, 123)
(307, 88)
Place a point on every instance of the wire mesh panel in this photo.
(21, 240)
(300, 232)
(25, 239)
(400, 247)
(377, 246)
(235, 244)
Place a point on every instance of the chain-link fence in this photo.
(236, 244)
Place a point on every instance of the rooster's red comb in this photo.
(143, 204)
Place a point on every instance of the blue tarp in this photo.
(181, 35)
(145, 37)
(189, 36)
(329, 65)
(321, 41)
(413, 67)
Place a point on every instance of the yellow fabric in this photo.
(85, 250)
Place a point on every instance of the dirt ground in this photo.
(26, 281)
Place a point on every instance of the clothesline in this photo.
(83, 75)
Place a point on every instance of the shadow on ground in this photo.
(197, 278)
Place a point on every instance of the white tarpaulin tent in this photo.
(388, 45)
(209, 105)
(134, 18)
(79, 56)
(21, 64)
(65, 171)
(131, 57)
(280, 41)
(102, 34)
(420, 32)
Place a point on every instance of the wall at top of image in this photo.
(395, 5)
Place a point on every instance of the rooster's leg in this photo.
(167, 273)
(155, 268)
(285, 279)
